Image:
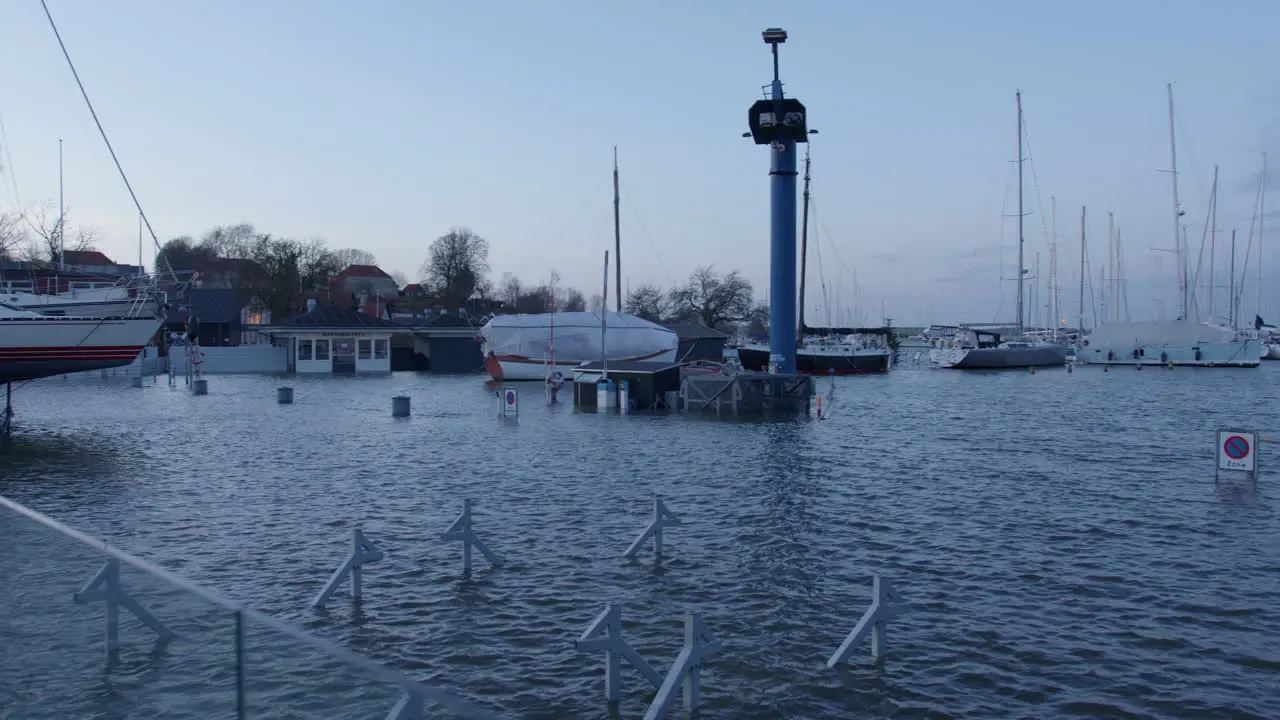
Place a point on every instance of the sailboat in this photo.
(826, 351)
(547, 346)
(1183, 341)
(971, 348)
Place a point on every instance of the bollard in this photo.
(284, 395)
(624, 396)
(671, 399)
(400, 406)
(200, 386)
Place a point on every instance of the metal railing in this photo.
(177, 650)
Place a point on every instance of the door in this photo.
(344, 355)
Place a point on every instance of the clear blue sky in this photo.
(382, 124)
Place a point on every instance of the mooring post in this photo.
(686, 672)
(605, 633)
(662, 518)
(105, 586)
(886, 604)
(363, 552)
(461, 530)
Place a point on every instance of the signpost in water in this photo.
(1238, 452)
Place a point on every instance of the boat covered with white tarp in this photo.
(1180, 342)
(532, 347)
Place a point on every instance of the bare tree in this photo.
(648, 302)
(48, 229)
(713, 300)
(232, 241)
(456, 264)
(400, 278)
(571, 300)
(511, 291)
(354, 256)
(534, 301)
(13, 234)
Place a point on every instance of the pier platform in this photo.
(746, 392)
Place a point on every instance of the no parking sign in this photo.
(1238, 451)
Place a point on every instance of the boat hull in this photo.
(1246, 354)
(1271, 352)
(995, 358)
(37, 347)
(515, 368)
(809, 363)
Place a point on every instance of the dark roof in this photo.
(371, 271)
(639, 366)
(207, 305)
(330, 317)
(691, 331)
(86, 257)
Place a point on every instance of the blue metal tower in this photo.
(780, 123)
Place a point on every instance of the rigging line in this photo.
(103, 132)
(644, 233)
(6, 159)
(1035, 180)
(819, 220)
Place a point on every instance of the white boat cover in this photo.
(1173, 332)
(577, 336)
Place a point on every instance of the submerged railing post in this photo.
(662, 518)
(605, 633)
(886, 604)
(686, 672)
(362, 553)
(105, 586)
(408, 707)
(461, 530)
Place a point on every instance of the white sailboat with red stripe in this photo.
(33, 345)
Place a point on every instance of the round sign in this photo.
(1236, 447)
(511, 397)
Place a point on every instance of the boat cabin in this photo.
(334, 340)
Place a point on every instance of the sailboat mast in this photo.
(1051, 309)
(1018, 97)
(604, 313)
(1213, 239)
(1109, 289)
(1080, 328)
(1232, 306)
(804, 246)
(1177, 211)
(1262, 216)
(617, 237)
(62, 216)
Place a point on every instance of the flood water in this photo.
(1061, 537)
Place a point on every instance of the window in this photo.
(18, 285)
(304, 349)
(365, 350)
(380, 349)
(322, 349)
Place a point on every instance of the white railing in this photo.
(194, 654)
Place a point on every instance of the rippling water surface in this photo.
(1061, 538)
